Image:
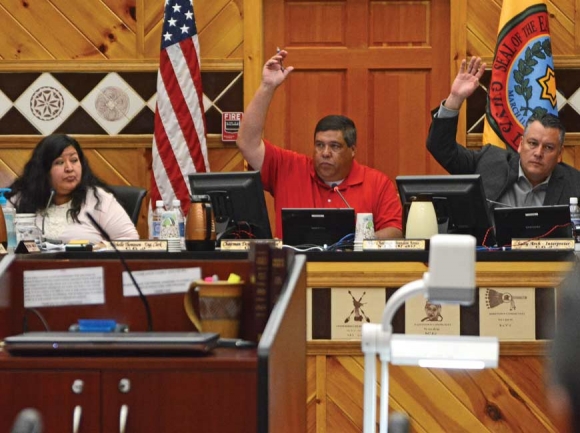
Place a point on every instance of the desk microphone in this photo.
(499, 203)
(48, 203)
(124, 263)
(335, 189)
(27, 421)
(399, 423)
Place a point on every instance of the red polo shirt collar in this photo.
(355, 176)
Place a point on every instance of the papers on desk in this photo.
(58, 287)
(50, 247)
(160, 281)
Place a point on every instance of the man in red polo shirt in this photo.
(298, 181)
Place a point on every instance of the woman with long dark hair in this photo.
(59, 187)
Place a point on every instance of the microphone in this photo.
(48, 203)
(27, 421)
(497, 202)
(335, 189)
(399, 423)
(124, 263)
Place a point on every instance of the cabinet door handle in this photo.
(123, 415)
(77, 414)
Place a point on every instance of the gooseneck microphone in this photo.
(499, 203)
(124, 263)
(27, 421)
(48, 203)
(334, 187)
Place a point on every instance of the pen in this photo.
(281, 65)
(235, 342)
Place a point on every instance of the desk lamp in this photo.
(450, 280)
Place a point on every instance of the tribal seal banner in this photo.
(523, 81)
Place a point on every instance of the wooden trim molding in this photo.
(146, 65)
(475, 140)
(352, 348)
(104, 141)
(253, 48)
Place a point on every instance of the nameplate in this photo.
(141, 245)
(507, 313)
(543, 244)
(393, 244)
(244, 244)
(425, 318)
(26, 247)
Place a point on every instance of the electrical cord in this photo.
(345, 241)
(40, 317)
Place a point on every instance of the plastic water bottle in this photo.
(180, 222)
(169, 227)
(9, 214)
(575, 220)
(156, 220)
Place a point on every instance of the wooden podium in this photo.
(231, 390)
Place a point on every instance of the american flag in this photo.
(179, 145)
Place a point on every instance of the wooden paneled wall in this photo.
(385, 63)
(106, 36)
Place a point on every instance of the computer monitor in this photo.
(459, 200)
(238, 203)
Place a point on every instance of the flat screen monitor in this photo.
(459, 200)
(237, 198)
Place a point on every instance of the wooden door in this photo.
(211, 400)
(383, 63)
(57, 396)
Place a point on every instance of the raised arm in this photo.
(465, 82)
(250, 135)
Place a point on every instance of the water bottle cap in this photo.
(573, 200)
(176, 202)
(3, 199)
(159, 203)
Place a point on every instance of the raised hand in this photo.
(465, 83)
(274, 72)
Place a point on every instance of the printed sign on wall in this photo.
(231, 125)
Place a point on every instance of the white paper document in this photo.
(161, 281)
(58, 287)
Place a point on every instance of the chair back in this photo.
(131, 198)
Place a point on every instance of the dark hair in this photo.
(565, 349)
(547, 120)
(34, 186)
(338, 123)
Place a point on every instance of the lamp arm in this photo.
(397, 299)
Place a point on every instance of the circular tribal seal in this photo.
(522, 78)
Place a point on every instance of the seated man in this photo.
(534, 176)
(298, 181)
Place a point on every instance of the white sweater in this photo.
(110, 215)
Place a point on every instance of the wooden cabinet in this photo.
(186, 401)
(60, 396)
(509, 398)
(213, 394)
(246, 390)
